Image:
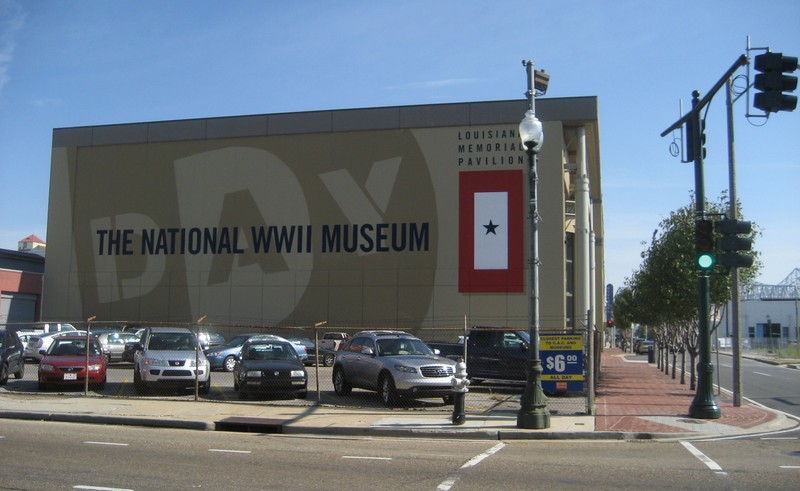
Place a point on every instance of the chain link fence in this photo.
(221, 344)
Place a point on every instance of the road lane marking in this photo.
(99, 488)
(762, 373)
(222, 450)
(107, 443)
(358, 457)
(780, 438)
(789, 466)
(702, 457)
(448, 483)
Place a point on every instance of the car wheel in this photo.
(242, 393)
(205, 388)
(3, 374)
(328, 359)
(229, 363)
(388, 391)
(340, 385)
(42, 386)
(302, 394)
(138, 384)
(21, 372)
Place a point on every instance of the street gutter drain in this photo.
(250, 425)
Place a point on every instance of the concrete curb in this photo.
(373, 431)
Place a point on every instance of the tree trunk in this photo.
(683, 367)
(674, 363)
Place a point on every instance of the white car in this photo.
(170, 357)
(40, 342)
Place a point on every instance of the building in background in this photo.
(768, 314)
(21, 275)
(32, 244)
(412, 216)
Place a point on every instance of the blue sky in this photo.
(76, 63)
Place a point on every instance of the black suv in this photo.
(11, 356)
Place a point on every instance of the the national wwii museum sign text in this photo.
(342, 238)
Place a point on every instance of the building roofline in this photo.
(567, 109)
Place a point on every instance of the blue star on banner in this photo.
(490, 229)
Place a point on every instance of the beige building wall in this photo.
(353, 217)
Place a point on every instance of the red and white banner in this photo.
(490, 229)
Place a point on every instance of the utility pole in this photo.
(733, 212)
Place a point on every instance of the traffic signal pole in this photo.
(704, 405)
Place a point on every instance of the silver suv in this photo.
(393, 363)
(166, 357)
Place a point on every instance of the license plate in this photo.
(70, 376)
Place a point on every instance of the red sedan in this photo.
(65, 363)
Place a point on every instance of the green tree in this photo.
(664, 291)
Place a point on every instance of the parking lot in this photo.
(481, 398)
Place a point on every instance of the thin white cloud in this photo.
(12, 19)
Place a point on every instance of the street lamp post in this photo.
(533, 413)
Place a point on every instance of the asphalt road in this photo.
(774, 386)
(48, 456)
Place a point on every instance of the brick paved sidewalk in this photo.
(633, 396)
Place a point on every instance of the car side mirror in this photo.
(137, 347)
(436, 351)
(367, 351)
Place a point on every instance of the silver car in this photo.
(393, 363)
(114, 343)
(169, 357)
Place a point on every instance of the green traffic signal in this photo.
(704, 244)
(706, 261)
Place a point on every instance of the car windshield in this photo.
(402, 347)
(171, 341)
(73, 347)
(270, 351)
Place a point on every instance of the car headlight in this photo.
(405, 369)
(298, 373)
(94, 368)
(155, 362)
(47, 368)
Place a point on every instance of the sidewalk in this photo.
(637, 397)
(635, 401)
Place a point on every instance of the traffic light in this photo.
(773, 83)
(704, 242)
(733, 245)
(700, 149)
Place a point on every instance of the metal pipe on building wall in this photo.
(583, 279)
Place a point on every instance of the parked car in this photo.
(113, 344)
(269, 366)
(326, 356)
(643, 345)
(12, 356)
(393, 363)
(169, 357)
(210, 340)
(224, 357)
(41, 342)
(334, 341)
(130, 346)
(64, 362)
